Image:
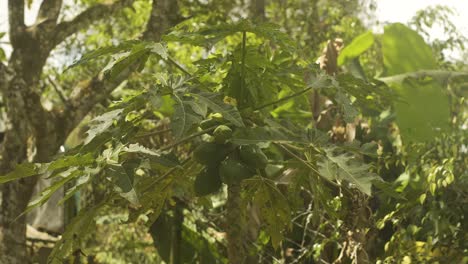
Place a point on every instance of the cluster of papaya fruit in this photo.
(224, 162)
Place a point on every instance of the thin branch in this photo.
(180, 67)
(188, 138)
(169, 172)
(16, 20)
(304, 162)
(59, 91)
(86, 18)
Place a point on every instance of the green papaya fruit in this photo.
(253, 156)
(207, 181)
(222, 133)
(205, 124)
(232, 170)
(214, 119)
(210, 153)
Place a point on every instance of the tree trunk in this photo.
(32, 133)
(13, 232)
(235, 223)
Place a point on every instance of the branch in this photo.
(16, 20)
(59, 91)
(49, 11)
(86, 18)
(164, 15)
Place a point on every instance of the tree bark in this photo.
(235, 223)
(31, 129)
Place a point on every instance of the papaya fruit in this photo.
(210, 153)
(222, 133)
(232, 170)
(214, 119)
(253, 156)
(207, 181)
(205, 124)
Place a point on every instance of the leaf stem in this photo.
(188, 138)
(244, 40)
(283, 99)
(180, 67)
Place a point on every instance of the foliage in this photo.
(187, 130)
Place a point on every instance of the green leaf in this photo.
(349, 111)
(22, 171)
(69, 161)
(358, 46)
(80, 182)
(274, 207)
(404, 50)
(44, 196)
(214, 33)
(123, 183)
(137, 148)
(345, 167)
(157, 48)
(423, 111)
(153, 198)
(2, 55)
(101, 124)
(124, 46)
(128, 61)
(215, 102)
(183, 118)
(77, 229)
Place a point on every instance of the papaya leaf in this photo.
(137, 148)
(125, 62)
(151, 47)
(212, 34)
(215, 102)
(153, 198)
(344, 166)
(80, 182)
(124, 46)
(44, 196)
(22, 171)
(349, 111)
(274, 207)
(123, 183)
(101, 124)
(70, 161)
(78, 228)
(183, 118)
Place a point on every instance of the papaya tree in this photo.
(221, 114)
